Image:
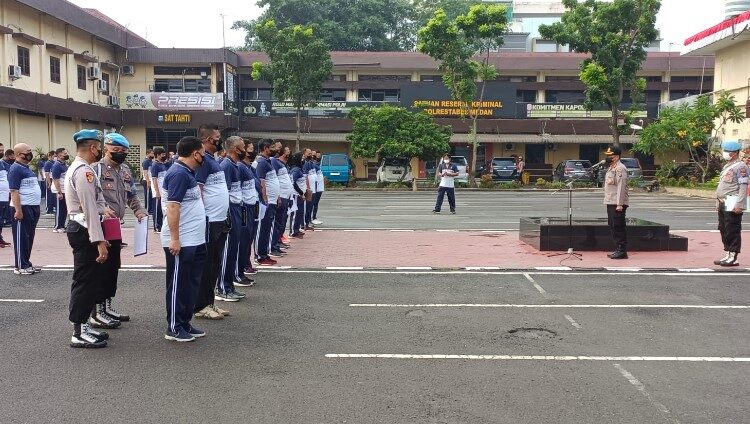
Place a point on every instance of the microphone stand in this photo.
(570, 253)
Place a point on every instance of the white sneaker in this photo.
(317, 222)
(209, 313)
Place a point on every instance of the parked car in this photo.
(463, 166)
(635, 172)
(573, 169)
(391, 170)
(337, 167)
(504, 169)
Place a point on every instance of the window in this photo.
(81, 77)
(562, 78)
(526, 96)
(431, 78)
(178, 85)
(681, 78)
(256, 94)
(24, 60)
(379, 95)
(105, 78)
(678, 94)
(333, 95)
(166, 138)
(385, 77)
(560, 96)
(513, 78)
(338, 78)
(177, 70)
(653, 78)
(54, 69)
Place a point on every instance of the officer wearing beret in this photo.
(616, 198)
(118, 188)
(86, 207)
(733, 182)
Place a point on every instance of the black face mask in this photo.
(27, 157)
(66, 157)
(98, 156)
(119, 157)
(252, 155)
(241, 155)
(201, 162)
(608, 159)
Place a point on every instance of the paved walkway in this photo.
(406, 248)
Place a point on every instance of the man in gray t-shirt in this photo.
(447, 171)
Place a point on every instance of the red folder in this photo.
(111, 229)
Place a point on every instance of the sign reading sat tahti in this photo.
(172, 101)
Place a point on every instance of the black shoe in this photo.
(434, 211)
(86, 339)
(453, 212)
(112, 313)
(101, 335)
(277, 254)
(245, 282)
(620, 254)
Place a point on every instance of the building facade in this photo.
(66, 68)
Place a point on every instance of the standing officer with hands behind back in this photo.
(86, 206)
(733, 182)
(616, 197)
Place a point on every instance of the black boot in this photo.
(619, 254)
(110, 311)
(100, 319)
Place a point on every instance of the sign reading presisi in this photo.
(434, 98)
(172, 101)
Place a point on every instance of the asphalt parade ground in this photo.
(395, 347)
(315, 344)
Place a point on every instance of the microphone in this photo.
(599, 164)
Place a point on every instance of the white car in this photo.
(392, 169)
(463, 165)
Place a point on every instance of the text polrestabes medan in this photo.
(458, 108)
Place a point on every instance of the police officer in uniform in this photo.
(86, 207)
(120, 193)
(616, 198)
(732, 182)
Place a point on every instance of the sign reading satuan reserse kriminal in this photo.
(498, 101)
(172, 101)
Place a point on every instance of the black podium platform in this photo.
(552, 234)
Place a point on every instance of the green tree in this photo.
(394, 131)
(299, 64)
(692, 128)
(455, 44)
(616, 35)
(424, 10)
(343, 25)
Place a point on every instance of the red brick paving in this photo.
(387, 249)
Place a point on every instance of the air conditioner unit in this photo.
(113, 101)
(128, 70)
(102, 86)
(94, 72)
(14, 72)
(151, 87)
(510, 147)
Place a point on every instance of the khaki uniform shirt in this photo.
(85, 196)
(733, 180)
(616, 185)
(118, 187)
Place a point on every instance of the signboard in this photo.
(175, 118)
(172, 101)
(499, 100)
(571, 111)
(268, 108)
(230, 88)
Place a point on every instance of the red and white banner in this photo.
(726, 29)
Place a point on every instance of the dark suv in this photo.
(578, 169)
(633, 165)
(504, 169)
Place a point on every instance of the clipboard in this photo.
(141, 230)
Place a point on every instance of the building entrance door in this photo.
(534, 153)
(589, 152)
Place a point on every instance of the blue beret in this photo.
(88, 135)
(116, 139)
(731, 146)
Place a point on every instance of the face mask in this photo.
(446, 160)
(28, 157)
(241, 155)
(98, 156)
(608, 159)
(252, 155)
(119, 157)
(200, 162)
(726, 155)
(66, 157)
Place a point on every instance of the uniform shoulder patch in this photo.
(90, 176)
(743, 171)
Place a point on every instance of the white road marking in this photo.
(356, 231)
(413, 268)
(57, 266)
(494, 231)
(553, 268)
(447, 231)
(540, 357)
(344, 268)
(695, 269)
(22, 300)
(573, 322)
(482, 268)
(136, 266)
(519, 272)
(401, 231)
(536, 286)
(641, 388)
(536, 306)
(625, 269)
